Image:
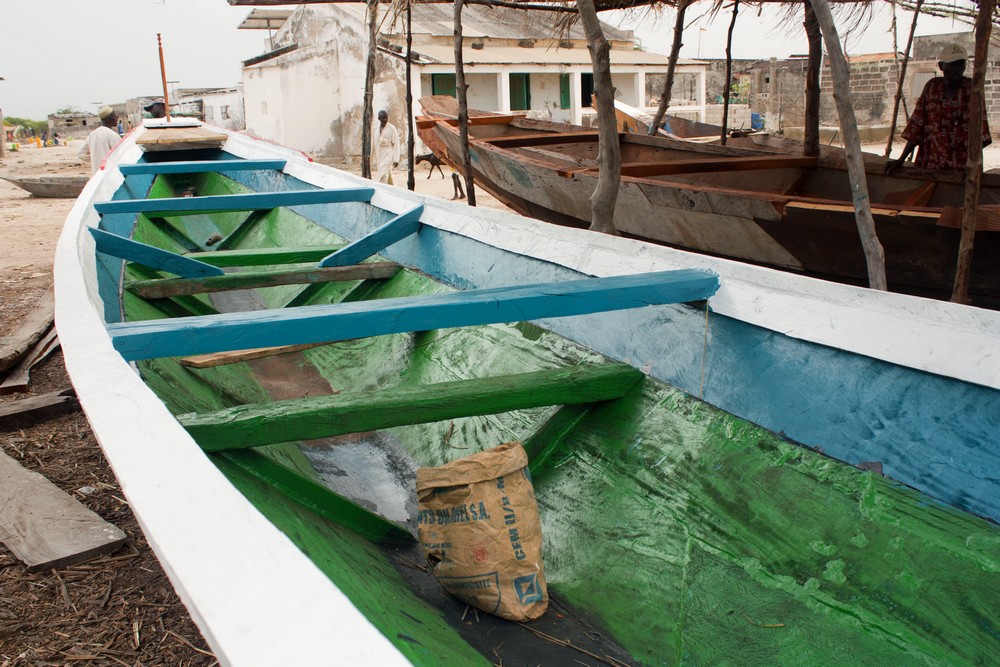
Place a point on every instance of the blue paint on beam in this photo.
(241, 202)
(341, 321)
(397, 229)
(200, 166)
(156, 258)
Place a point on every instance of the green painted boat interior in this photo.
(674, 533)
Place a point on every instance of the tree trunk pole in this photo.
(902, 77)
(675, 50)
(874, 255)
(366, 114)
(729, 73)
(810, 137)
(974, 168)
(411, 184)
(609, 156)
(461, 91)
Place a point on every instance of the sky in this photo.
(84, 53)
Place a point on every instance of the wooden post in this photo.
(410, 182)
(366, 115)
(729, 73)
(671, 66)
(609, 156)
(902, 77)
(974, 168)
(874, 255)
(810, 137)
(461, 91)
(163, 75)
(3, 144)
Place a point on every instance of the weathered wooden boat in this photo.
(65, 187)
(779, 210)
(704, 435)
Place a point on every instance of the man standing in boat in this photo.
(939, 124)
(101, 141)
(385, 148)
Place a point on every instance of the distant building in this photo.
(73, 125)
(224, 108)
(308, 91)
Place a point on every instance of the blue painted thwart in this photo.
(241, 202)
(315, 324)
(397, 229)
(154, 258)
(200, 167)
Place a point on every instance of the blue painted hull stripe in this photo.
(200, 166)
(342, 321)
(397, 229)
(155, 258)
(239, 202)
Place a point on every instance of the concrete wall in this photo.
(73, 125)
(225, 109)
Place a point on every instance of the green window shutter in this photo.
(520, 92)
(443, 84)
(564, 101)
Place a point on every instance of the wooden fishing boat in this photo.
(66, 187)
(267, 349)
(780, 210)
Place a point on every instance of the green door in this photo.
(520, 92)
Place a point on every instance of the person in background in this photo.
(121, 127)
(157, 108)
(385, 148)
(939, 124)
(101, 141)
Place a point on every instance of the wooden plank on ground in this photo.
(20, 375)
(223, 358)
(29, 332)
(397, 229)
(37, 409)
(151, 256)
(43, 526)
(264, 256)
(326, 416)
(201, 166)
(313, 324)
(169, 287)
(250, 201)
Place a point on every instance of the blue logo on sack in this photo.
(527, 589)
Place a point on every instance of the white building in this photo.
(308, 92)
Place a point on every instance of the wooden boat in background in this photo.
(66, 187)
(775, 209)
(266, 360)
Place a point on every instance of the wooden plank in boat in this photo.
(264, 256)
(44, 526)
(539, 139)
(918, 196)
(397, 229)
(316, 497)
(169, 287)
(179, 138)
(876, 210)
(151, 256)
(357, 412)
(237, 356)
(312, 324)
(237, 202)
(647, 169)
(200, 166)
(987, 218)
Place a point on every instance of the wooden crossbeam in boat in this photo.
(201, 166)
(147, 255)
(543, 443)
(169, 287)
(397, 229)
(313, 496)
(229, 203)
(704, 165)
(340, 321)
(264, 256)
(918, 196)
(542, 139)
(224, 358)
(249, 222)
(338, 414)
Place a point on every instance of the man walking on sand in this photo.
(385, 148)
(101, 141)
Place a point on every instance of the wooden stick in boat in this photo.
(223, 358)
(874, 254)
(675, 51)
(461, 92)
(902, 77)
(163, 75)
(729, 72)
(974, 168)
(810, 138)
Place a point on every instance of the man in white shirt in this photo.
(101, 141)
(385, 148)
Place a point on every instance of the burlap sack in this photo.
(478, 523)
